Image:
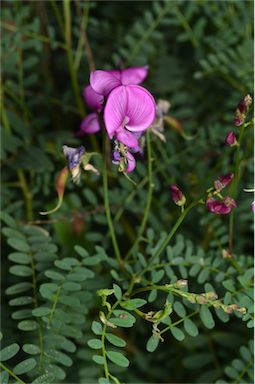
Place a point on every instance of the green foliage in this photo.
(71, 311)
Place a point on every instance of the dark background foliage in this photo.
(200, 56)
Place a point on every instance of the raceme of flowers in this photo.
(128, 109)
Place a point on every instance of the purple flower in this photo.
(90, 124)
(129, 109)
(223, 181)
(220, 207)
(177, 195)
(124, 158)
(74, 158)
(93, 100)
(103, 82)
(253, 206)
(231, 139)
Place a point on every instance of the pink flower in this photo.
(253, 206)
(223, 181)
(93, 100)
(177, 195)
(129, 109)
(220, 207)
(90, 124)
(231, 139)
(103, 82)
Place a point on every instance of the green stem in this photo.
(27, 194)
(107, 209)
(234, 187)
(178, 322)
(68, 40)
(149, 198)
(12, 374)
(169, 237)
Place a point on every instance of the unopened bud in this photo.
(177, 195)
(181, 283)
(231, 139)
(223, 181)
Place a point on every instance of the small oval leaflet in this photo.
(31, 349)
(206, 317)
(25, 366)
(8, 352)
(95, 343)
(118, 358)
(115, 340)
(177, 333)
(152, 343)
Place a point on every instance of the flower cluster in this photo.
(128, 109)
(221, 205)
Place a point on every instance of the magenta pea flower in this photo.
(241, 110)
(90, 124)
(103, 82)
(129, 110)
(93, 99)
(221, 207)
(177, 195)
(231, 139)
(218, 207)
(223, 181)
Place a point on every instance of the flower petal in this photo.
(103, 82)
(131, 103)
(115, 110)
(90, 124)
(141, 108)
(93, 99)
(134, 75)
(131, 162)
(126, 137)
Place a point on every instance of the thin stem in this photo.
(68, 40)
(149, 198)
(169, 237)
(235, 186)
(108, 211)
(83, 20)
(12, 374)
(178, 322)
(27, 194)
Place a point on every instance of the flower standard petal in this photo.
(141, 108)
(93, 99)
(134, 75)
(90, 124)
(115, 110)
(103, 82)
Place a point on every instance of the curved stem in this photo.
(169, 237)
(108, 211)
(12, 374)
(234, 187)
(149, 198)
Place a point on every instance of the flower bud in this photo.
(242, 110)
(223, 181)
(177, 195)
(231, 139)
